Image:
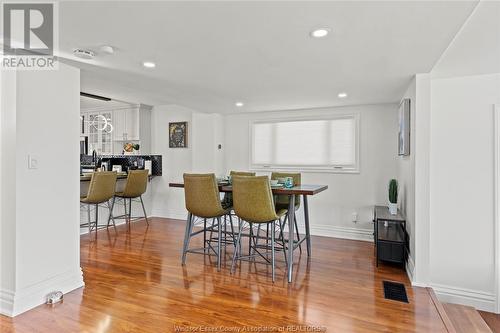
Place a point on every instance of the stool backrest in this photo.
(202, 196)
(102, 186)
(253, 199)
(137, 182)
(284, 199)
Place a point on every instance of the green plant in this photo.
(393, 191)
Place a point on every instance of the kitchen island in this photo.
(127, 162)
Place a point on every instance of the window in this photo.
(306, 144)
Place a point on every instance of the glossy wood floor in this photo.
(135, 283)
(492, 319)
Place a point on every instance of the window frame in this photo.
(355, 169)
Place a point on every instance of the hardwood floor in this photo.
(492, 319)
(466, 319)
(135, 283)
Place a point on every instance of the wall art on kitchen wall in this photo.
(178, 134)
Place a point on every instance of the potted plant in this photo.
(393, 196)
(130, 148)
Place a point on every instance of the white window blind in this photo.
(323, 144)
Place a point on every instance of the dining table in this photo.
(304, 190)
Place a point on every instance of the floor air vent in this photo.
(395, 291)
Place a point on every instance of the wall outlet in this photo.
(32, 162)
(354, 217)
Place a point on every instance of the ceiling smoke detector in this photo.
(84, 54)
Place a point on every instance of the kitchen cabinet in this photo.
(98, 140)
(130, 124)
(126, 124)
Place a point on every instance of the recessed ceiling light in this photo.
(149, 64)
(239, 104)
(84, 54)
(342, 95)
(320, 33)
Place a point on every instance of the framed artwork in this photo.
(404, 128)
(178, 135)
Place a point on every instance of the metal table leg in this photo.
(291, 244)
(306, 219)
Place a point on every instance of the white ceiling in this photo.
(479, 38)
(211, 54)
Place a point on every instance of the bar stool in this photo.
(282, 201)
(202, 200)
(254, 204)
(227, 203)
(137, 182)
(101, 190)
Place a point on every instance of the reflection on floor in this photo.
(135, 283)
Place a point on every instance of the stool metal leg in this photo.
(297, 230)
(272, 247)
(204, 235)
(232, 229)
(219, 241)
(111, 218)
(96, 218)
(125, 207)
(238, 245)
(187, 237)
(144, 210)
(129, 210)
(89, 219)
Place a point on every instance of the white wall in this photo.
(406, 176)
(462, 209)
(46, 199)
(331, 211)
(456, 186)
(8, 191)
(205, 132)
(166, 201)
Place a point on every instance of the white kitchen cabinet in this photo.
(99, 140)
(119, 125)
(130, 124)
(126, 124)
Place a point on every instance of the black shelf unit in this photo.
(390, 236)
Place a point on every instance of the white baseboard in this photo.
(6, 302)
(341, 232)
(410, 269)
(477, 299)
(316, 230)
(168, 214)
(14, 303)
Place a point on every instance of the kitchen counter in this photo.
(86, 176)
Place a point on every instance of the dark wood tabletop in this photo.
(304, 189)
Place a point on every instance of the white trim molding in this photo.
(496, 154)
(6, 302)
(410, 268)
(478, 299)
(341, 232)
(169, 214)
(14, 303)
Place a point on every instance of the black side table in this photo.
(390, 236)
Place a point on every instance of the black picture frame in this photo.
(178, 134)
